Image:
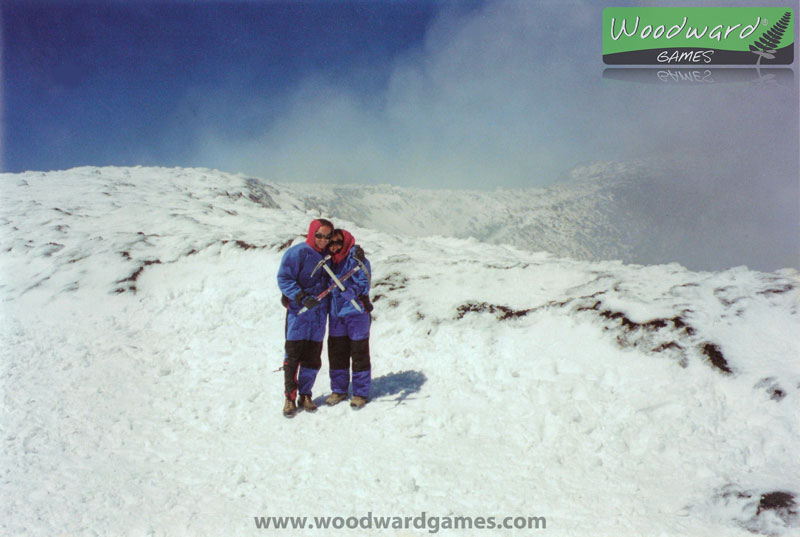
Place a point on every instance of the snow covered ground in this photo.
(141, 330)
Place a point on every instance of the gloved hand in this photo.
(304, 299)
(349, 294)
(300, 297)
(310, 302)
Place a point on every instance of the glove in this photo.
(310, 302)
(300, 297)
(359, 252)
(368, 307)
(349, 294)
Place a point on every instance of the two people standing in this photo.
(303, 275)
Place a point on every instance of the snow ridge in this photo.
(578, 219)
(142, 328)
(645, 212)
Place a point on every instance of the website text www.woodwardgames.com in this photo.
(423, 521)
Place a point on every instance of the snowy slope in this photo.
(141, 330)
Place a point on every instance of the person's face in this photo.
(336, 244)
(323, 237)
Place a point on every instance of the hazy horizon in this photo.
(436, 94)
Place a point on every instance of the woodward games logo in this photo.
(698, 36)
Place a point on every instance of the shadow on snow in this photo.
(401, 384)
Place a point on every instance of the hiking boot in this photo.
(358, 402)
(289, 408)
(305, 403)
(335, 398)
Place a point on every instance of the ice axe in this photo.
(331, 287)
(340, 285)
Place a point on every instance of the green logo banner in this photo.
(698, 36)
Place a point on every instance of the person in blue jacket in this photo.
(301, 278)
(349, 322)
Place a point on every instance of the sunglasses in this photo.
(321, 236)
(337, 242)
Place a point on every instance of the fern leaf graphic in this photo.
(767, 45)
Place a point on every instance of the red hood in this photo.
(312, 229)
(349, 241)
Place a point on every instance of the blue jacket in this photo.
(295, 275)
(339, 307)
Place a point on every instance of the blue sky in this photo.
(132, 83)
(458, 94)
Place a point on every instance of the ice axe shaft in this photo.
(340, 285)
(331, 287)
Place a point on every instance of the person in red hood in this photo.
(350, 320)
(301, 278)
